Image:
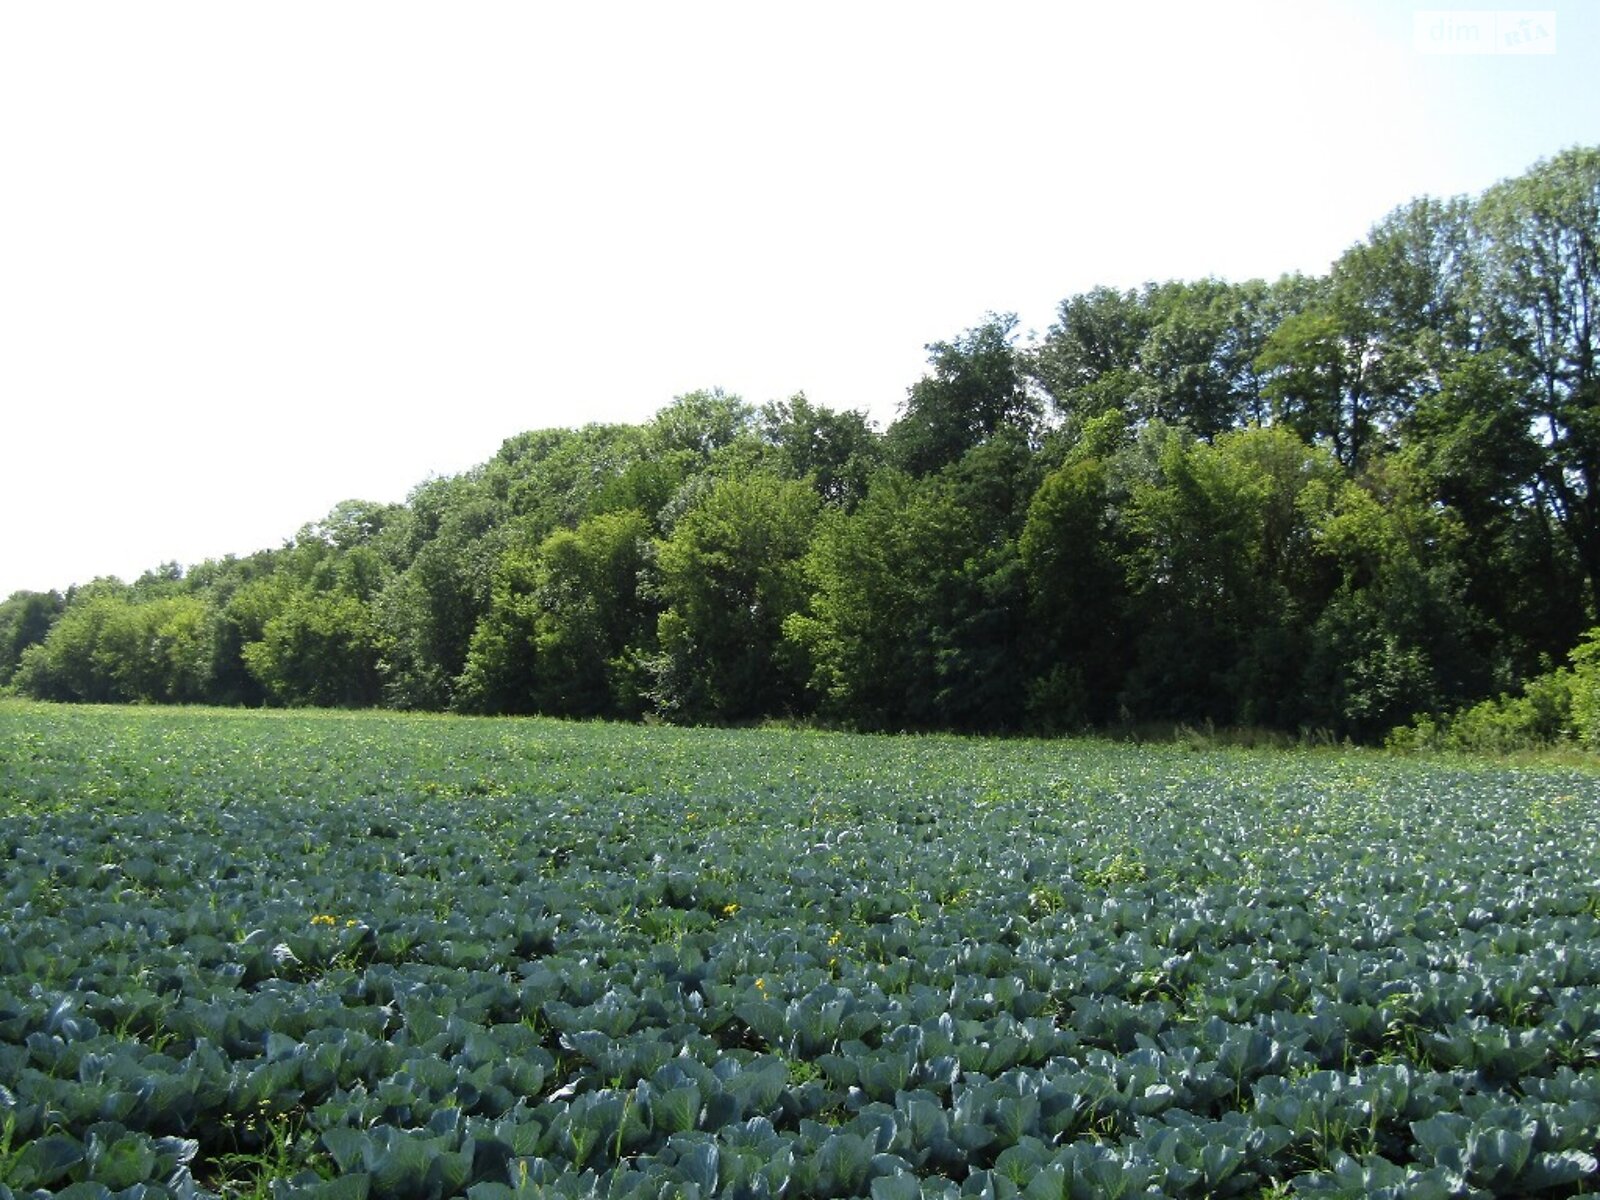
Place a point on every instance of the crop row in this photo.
(763, 964)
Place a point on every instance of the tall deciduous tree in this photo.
(1177, 353)
(918, 598)
(1217, 555)
(1334, 378)
(1088, 363)
(25, 620)
(1398, 635)
(876, 578)
(1541, 301)
(70, 664)
(1072, 549)
(836, 451)
(976, 387)
(112, 647)
(429, 609)
(728, 577)
(1472, 445)
(319, 648)
(567, 626)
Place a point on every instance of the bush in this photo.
(1558, 708)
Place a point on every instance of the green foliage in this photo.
(353, 524)
(976, 389)
(728, 578)
(1537, 718)
(319, 648)
(565, 625)
(1071, 551)
(1089, 362)
(65, 665)
(1558, 707)
(1539, 283)
(1586, 690)
(919, 597)
(1316, 385)
(1398, 635)
(1220, 574)
(501, 671)
(113, 648)
(553, 478)
(1176, 353)
(836, 451)
(25, 620)
(1197, 362)
(429, 609)
(1474, 442)
(876, 576)
(596, 621)
(702, 423)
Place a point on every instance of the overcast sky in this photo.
(256, 258)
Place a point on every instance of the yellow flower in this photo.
(729, 909)
(761, 984)
(322, 919)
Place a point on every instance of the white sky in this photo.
(256, 258)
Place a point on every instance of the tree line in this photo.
(1327, 502)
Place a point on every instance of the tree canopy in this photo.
(1325, 502)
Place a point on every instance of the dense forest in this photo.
(1328, 503)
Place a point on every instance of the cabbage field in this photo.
(404, 957)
